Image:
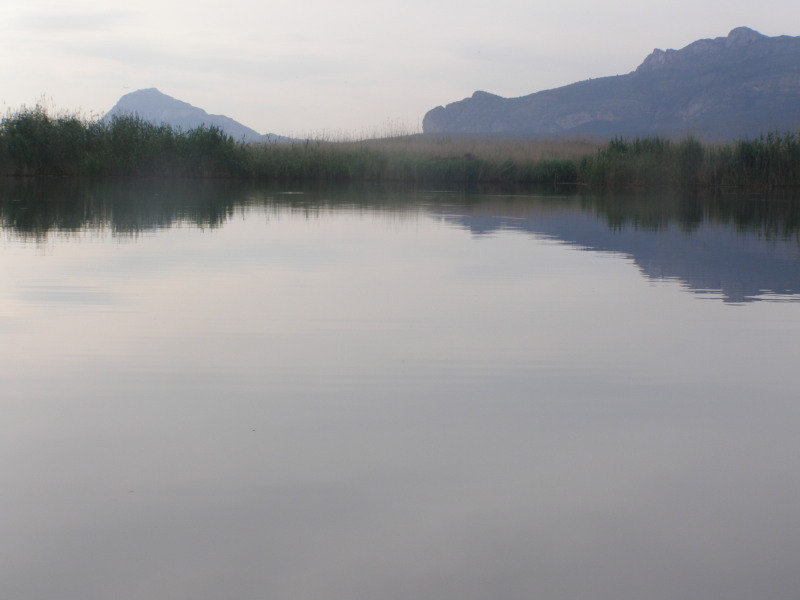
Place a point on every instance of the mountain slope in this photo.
(156, 107)
(740, 85)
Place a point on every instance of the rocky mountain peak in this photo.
(741, 36)
(481, 95)
(737, 38)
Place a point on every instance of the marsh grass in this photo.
(478, 159)
(767, 162)
(34, 142)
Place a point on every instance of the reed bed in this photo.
(767, 162)
(32, 142)
(35, 143)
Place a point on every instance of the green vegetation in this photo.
(768, 162)
(32, 142)
(36, 143)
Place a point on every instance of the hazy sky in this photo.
(351, 67)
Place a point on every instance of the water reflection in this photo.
(212, 391)
(740, 248)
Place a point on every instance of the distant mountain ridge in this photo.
(740, 85)
(157, 107)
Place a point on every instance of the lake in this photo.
(211, 391)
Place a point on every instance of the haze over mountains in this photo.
(741, 85)
(157, 107)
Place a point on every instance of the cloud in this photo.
(188, 58)
(72, 21)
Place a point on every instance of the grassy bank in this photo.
(36, 143)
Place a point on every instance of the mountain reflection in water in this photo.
(739, 248)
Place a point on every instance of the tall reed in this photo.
(36, 143)
(32, 142)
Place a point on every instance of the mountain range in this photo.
(157, 107)
(740, 85)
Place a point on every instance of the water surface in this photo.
(211, 391)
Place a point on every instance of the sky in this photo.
(351, 68)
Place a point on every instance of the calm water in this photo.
(209, 392)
